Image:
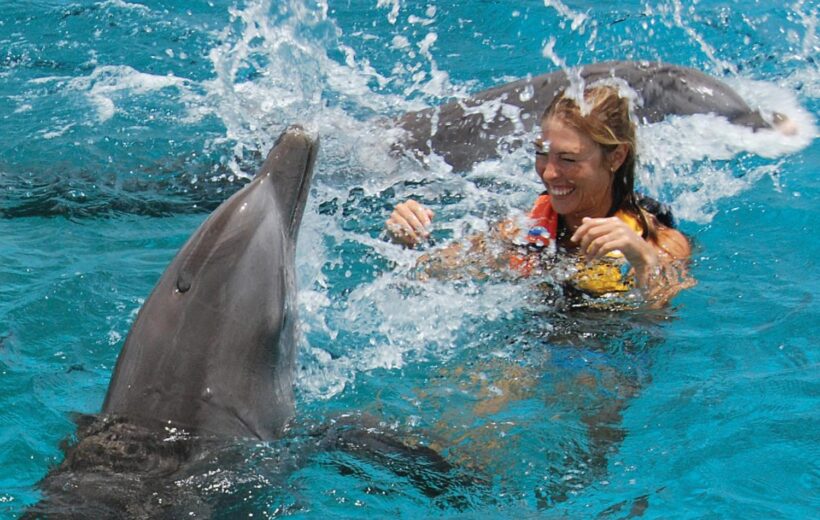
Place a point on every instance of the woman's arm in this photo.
(473, 257)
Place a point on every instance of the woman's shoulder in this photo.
(668, 239)
(674, 243)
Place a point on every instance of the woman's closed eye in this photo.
(541, 149)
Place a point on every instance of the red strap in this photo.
(544, 215)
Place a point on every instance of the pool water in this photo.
(125, 123)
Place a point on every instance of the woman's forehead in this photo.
(563, 137)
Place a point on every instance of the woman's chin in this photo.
(563, 204)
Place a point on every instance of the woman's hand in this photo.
(598, 236)
(408, 223)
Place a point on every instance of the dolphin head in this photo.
(213, 348)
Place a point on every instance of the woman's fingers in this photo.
(589, 231)
(416, 215)
(598, 236)
(606, 244)
(408, 222)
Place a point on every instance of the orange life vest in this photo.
(606, 276)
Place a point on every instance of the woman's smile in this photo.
(560, 191)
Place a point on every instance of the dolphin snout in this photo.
(292, 155)
(295, 137)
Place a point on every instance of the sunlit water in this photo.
(124, 123)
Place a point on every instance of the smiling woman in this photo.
(585, 156)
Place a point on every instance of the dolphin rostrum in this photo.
(465, 132)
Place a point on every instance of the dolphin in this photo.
(209, 359)
(465, 132)
(213, 348)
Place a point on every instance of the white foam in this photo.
(57, 132)
(121, 4)
(48, 79)
(400, 42)
(678, 140)
(114, 337)
(770, 97)
(108, 81)
(394, 5)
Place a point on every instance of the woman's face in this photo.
(575, 171)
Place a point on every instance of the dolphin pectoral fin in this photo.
(428, 470)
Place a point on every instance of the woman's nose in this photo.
(545, 170)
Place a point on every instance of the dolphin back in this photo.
(501, 119)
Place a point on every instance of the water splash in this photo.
(809, 45)
(707, 49)
(685, 160)
(577, 20)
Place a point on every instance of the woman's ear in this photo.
(617, 157)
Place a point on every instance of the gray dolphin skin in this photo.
(208, 361)
(213, 347)
(476, 129)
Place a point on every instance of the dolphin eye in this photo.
(183, 284)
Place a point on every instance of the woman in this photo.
(586, 159)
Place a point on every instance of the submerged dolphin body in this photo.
(469, 131)
(209, 358)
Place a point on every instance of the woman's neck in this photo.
(572, 222)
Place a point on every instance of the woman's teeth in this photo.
(564, 190)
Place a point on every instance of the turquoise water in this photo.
(124, 123)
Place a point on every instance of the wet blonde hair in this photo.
(606, 119)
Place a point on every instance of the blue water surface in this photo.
(124, 123)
